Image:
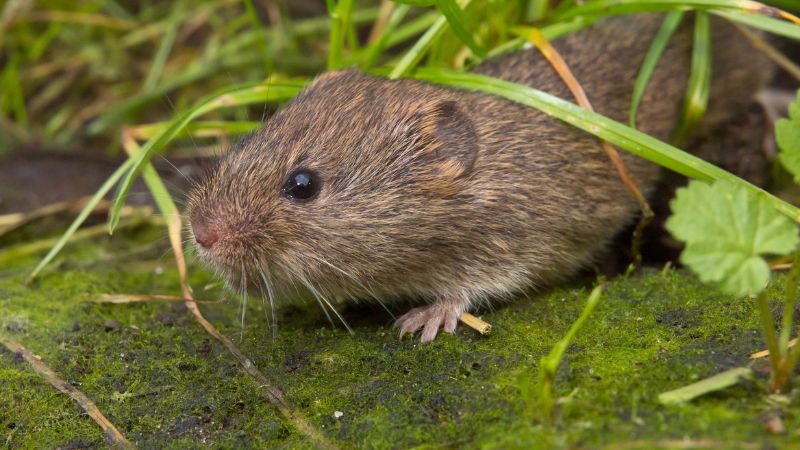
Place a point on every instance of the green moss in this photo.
(163, 381)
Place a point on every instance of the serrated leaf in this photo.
(727, 229)
(787, 135)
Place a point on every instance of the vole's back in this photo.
(572, 194)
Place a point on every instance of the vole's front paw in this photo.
(430, 318)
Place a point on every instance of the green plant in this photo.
(728, 230)
(548, 365)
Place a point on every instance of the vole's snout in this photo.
(205, 236)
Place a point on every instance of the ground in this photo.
(163, 381)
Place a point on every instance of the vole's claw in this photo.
(428, 318)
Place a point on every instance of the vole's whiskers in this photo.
(270, 295)
(315, 294)
(244, 299)
(185, 177)
(330, 305)
(367, 289)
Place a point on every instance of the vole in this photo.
(369, 188)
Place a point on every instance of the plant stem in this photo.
(340, 23)
(788, 306)
(768, 326)
(548, 365)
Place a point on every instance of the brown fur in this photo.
(450, 196)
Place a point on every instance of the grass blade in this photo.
(377, 47)
(233, 96)
(717, 382)
(660, 41)
(615, 7)
(699, 85)
(625, 137)
(458, 22)
(413, 56)
(164, 49)
(548, 365)
(263, 41)
(90, 205)
(769, 24)
(340, 24)
(195, 129)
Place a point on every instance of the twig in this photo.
(771, 52)
(113, 435)
(138, 216)
(475, 323)
(563, 70)
(764, 353)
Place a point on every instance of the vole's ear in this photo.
(446, 140)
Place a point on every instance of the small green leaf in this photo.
(727, 228)
(787, 134)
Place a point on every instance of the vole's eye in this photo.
(302, 185)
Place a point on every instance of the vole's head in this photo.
(353, 182)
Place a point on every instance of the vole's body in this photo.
(446, 196)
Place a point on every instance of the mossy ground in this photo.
(164, 382)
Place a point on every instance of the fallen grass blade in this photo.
(618, 134)
(699, 84)
(121, 299)
(114, 437)
(9, 222)
(232, 96)
(138, 216)
(657, 47)
(714, 383)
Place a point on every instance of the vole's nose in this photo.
(204, 236)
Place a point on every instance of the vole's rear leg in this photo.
(443, 313)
